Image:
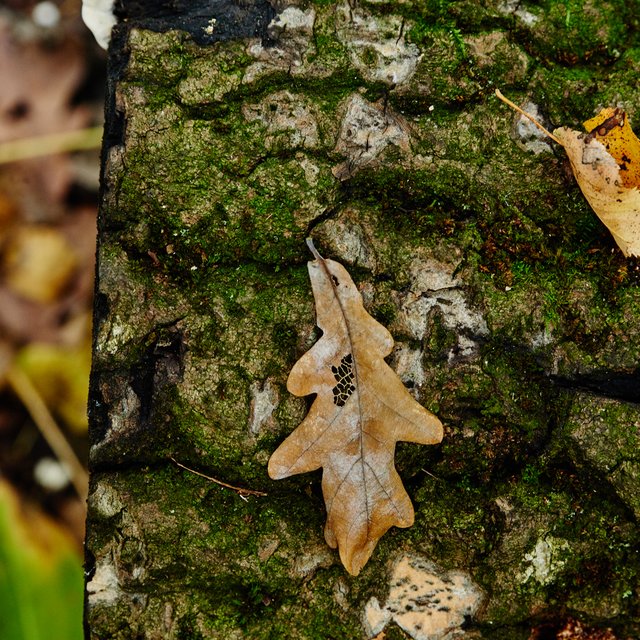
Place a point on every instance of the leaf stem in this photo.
(313, 249)
(514, 106)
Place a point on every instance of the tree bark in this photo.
(235, 130)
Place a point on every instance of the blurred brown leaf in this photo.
(38, 263)
(39, 316)
(39, 80)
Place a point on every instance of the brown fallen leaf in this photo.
(606, 163)
(361, 410)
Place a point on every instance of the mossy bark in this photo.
(373, 128)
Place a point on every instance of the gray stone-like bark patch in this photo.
(377, 44)
(292, 32)
(289, 119)
(435, 287)
(367, 129)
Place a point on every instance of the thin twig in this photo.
(430, 474)
(239, 490)
(64, 142)
(513, 105)
(41, 416)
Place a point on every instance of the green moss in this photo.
(453, 528)
(582, 30)
(163, 56)
(596, 532)
(212, 217)
(444, 68)
(221, 539)
(440, 340)
(566, 32)
(411, 204)
(329, 50)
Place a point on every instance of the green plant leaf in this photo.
(41, 577)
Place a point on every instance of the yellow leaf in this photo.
(611, 127)
(606, 164)
(361, 410)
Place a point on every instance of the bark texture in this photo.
(236, 130)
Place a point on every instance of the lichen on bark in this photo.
(373, 129)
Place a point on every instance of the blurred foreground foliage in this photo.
(40, 576)
(61, 376)
(52, 89)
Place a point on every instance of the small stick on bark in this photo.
(239, 490)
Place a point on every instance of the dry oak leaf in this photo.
(606, 163)
(361, 410)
